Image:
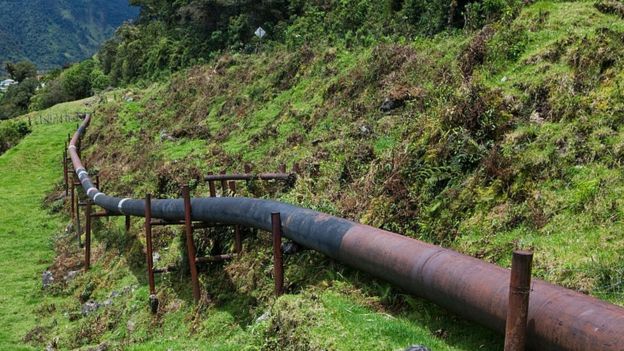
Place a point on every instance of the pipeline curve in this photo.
(559, 318)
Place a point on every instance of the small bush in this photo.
(11, 133)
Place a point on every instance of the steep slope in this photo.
(55, 32)
(499, 140)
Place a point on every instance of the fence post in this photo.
(65, 177)
(190, 245)
(87, 262)
(150, 254)
(238, 245)
(278, 264)
(213, 189)
(517, 310)
(78, 224)
(224, 187)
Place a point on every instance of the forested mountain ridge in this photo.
(52, 33)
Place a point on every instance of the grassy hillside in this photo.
(506, 137)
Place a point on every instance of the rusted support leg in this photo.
(247, 169)
(224, 187)
(153, 300)
(213, 190)
(127, 224)
(65, 177)
(190, 245)
(97, 182)
(238, 241)
(87, 260)
(78, 224)
(278, 264)
(73, 201)
(517, 311)
(238, 245)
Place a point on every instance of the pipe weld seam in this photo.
(90, 190)
(120, 206)
(96, 195)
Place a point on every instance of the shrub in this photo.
(11, 133)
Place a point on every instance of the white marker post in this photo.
(260, 33)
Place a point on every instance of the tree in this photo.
(76, 80)
(22, 70)
(17, 98)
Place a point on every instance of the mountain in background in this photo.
(52, 33)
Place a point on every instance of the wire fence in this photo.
(54, 119)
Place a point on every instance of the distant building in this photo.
(5, 84)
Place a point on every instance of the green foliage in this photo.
(74, 83)
(174, 35)
(477, 14)
(11, 133)
(17, 98)
(21, 70)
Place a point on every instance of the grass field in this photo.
(27, 172)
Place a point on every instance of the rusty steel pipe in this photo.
(248, 176)
(519, 290)
(559, 318)
(215, 258)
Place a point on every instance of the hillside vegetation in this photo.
(505, 138)
(482, 126)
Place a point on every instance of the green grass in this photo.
(176, 150)
(336, 321)
(27, 172)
